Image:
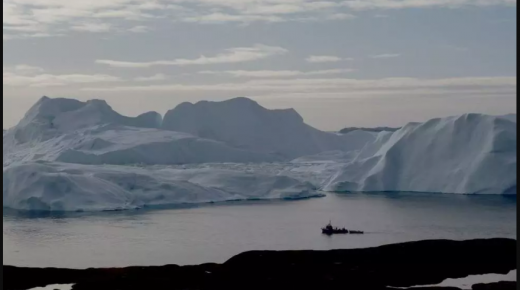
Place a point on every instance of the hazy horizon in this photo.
(338, 63)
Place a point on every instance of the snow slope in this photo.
(48, 186)
(471, 153)
(243, 123)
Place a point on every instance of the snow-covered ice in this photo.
(471, 153)
(71, 155)
(72, 187)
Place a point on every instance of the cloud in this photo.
(341, 16)
(270, 11)
(216, 18)
(386, 55)
(319, 86)
(277, 9)
(404, 4)
(24, 28)
(27, 69)
(232, 55)
(31, 35)
(93, 27)
(125, 14)
(222, 18)
(277, 73)
(54, 17)
(139, 29)
(31, 76)
(325, 58)
(306, 6)
(157, 77)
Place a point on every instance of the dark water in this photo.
(215, 233)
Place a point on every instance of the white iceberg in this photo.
(468, 154)
(44, 186)
(67, 155)
(92, 133)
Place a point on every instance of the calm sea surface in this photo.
(214, 233)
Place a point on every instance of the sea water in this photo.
(214, 233)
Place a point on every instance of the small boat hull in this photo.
(340, 232)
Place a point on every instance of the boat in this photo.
(330, 230)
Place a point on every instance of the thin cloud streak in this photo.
(139, 29)
(25, 69)
(325, 59)
(154, 78)
(320, 85)
(93, 27)
(50, 80)
(386, 55)
(232, 55)
(276, 74)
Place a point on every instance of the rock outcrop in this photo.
(398, 265)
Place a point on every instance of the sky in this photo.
(339, 63)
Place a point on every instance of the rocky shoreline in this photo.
(386, 267)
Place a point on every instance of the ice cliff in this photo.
(471, 153)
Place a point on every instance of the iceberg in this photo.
(71, 131)
(243, 123)
(51, 186)
(67, 155)
(468, 154)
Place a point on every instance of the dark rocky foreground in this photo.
(398, 265)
